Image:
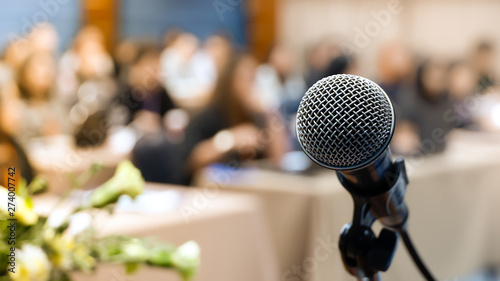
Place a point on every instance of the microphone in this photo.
(345, 123)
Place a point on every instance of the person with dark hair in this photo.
(339, 65)
(126, 53)
(424, 107)
(319, 58)
(219, 48)
(144, 90)
(461, 85)
(13, 155)
(155, 154)
(234, 127)
(43, 114)
(11, 152)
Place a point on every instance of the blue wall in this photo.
(151, 18)
(18, 17)
(139, 18)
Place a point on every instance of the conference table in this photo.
(229, 227)
(58, 159)
(452, 198)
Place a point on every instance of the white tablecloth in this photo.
(230, 230)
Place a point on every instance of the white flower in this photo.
(31, 265)
(135, 251)
(187, 258)
(189, 251)
(79, 222)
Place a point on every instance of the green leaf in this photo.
(22, 189)
(38, 185)
(29, 202)
(59, 275)
(161, 256)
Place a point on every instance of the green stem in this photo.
(76, 183)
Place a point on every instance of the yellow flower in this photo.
(31, 265)
(82, 257)
(23, 210)
(63, 246)
(126, 181)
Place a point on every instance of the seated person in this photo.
(11, 153)
(145, 91)
(235, 127)
(43, 115)
(157, 154)
(424, 107)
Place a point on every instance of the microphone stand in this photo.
(363, 253)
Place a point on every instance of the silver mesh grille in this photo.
(344, 121)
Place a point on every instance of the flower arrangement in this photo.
(43, 251)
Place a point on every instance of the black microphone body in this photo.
(383, 185)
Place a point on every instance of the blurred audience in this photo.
(158, 153)
(319, 58)
(394, 69)
(193, 103)
(43, 114)
(342, 64)
(219, 49)
(424, 106)
(11, 152)
(235, 126)
(86, 85)
(462, 85)
(144, 90)
(186, 72)
(277, 80)
(86, 60)
(125, 55)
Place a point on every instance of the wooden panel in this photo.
(262, 26)
(104, 15)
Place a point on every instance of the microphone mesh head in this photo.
(344, 122)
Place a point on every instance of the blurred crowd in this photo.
(191, 103)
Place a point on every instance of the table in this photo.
(57, 157)
(229, 228)
(452, 199)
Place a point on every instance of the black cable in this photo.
(414, 255)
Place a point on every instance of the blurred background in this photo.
(202, 95)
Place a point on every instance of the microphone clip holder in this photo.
(363, 253)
